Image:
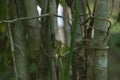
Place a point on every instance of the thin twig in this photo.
(24, 18)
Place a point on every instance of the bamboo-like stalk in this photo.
(20, 52)
(67, 29)
(19, 43)
(72, 43)
(33, 28)
(79, 67)
(102, 10)
(54, 34)
(66, 40)
(49, 31)
(46, 41)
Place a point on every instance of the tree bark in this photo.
(79, 61)
(102, 10)
(49, 33)
(33, 27)
(19, 37)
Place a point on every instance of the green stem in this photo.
(61, 68)
(72, 41)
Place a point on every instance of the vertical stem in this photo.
(73, 37)
(102, 10)
(33, 28)
(54, 32)
(19, 38)
(79, 72)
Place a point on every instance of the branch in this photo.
(23, 18)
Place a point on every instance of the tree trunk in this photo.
(49, 33)
(79, 61)
(33, 27)
(67, 20)
(53, 35)
(19, 42)
(102, 10)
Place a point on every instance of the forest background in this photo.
(85, 47)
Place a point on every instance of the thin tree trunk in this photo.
(33, 27)
(79, 61)
(66, 28)
(20, 51)
(19, 42)
(49, 33)
(33, 37)
(54, 35)
(45, 42)
(102, 10)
